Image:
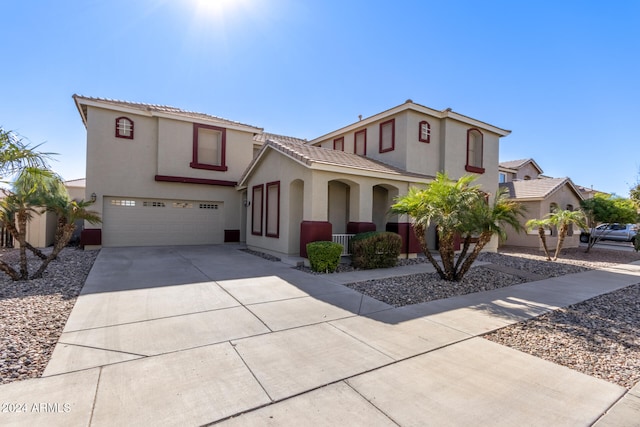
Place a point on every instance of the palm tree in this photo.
(16, 155)
(458, 209)
(487, 220)
(541, 225)
(30, 189)
(68, 212)
(563, 219)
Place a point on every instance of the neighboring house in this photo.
(165, 176)
(540, 195)
(41, 228)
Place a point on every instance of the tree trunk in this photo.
(10, 271)
(447, 254)
(21, 227)
(419, 232)
(563, 233)
(484, 238)
(63, 238)
(14, 232)
(463, 253)
(543, 238)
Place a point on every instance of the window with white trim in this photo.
(424, 132)
(474, 151)
(119, 202)
(124, 128)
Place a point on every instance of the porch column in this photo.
(315, 225)
(410, 243)
(361, 209)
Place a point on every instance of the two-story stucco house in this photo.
(165, 176)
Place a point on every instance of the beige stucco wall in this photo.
(319, 195)
(563, 197)
(41, 229)
(77, 193)
(123, 167)
(527, 170)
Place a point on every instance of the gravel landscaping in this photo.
(599, 337)
(33, 313)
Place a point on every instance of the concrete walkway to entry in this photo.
(189, 336)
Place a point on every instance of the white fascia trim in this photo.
(179, 117)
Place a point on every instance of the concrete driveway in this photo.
(198, 335)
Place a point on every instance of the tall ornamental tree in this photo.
(607, 209)
(458, 209)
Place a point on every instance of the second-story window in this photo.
(474, 151)
(124, 128)
(424, 130)
(338, 144)
(360, 142)
(387, 135)
(209, 147)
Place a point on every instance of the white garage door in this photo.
(156, 222)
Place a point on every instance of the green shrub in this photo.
(375, 249)
(324, 257)
(636, 242)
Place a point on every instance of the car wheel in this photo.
(584, 238)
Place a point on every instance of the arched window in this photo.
(527, 178)
(424, 132)
(474, 151)
(124, 128)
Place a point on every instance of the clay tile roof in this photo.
(514, 164)
(264, 136)
(310, 154)
(162, 109)
(534, 188)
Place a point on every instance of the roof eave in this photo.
(447, 113)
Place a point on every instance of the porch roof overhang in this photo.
(327, 160)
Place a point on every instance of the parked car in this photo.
(619, 232)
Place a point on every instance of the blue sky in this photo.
(562, 75)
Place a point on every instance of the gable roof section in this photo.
(82, 102)
(264, 136)
(410, 105)
(537, 189)
(330, 160)
(517, 164)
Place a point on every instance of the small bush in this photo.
(324, 257)
(636, 242)
(375, 249)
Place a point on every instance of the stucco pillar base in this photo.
(410, 243)
(313, 231)
(360, 227)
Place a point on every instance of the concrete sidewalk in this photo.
(197, 335)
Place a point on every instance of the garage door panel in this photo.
(151, 222)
